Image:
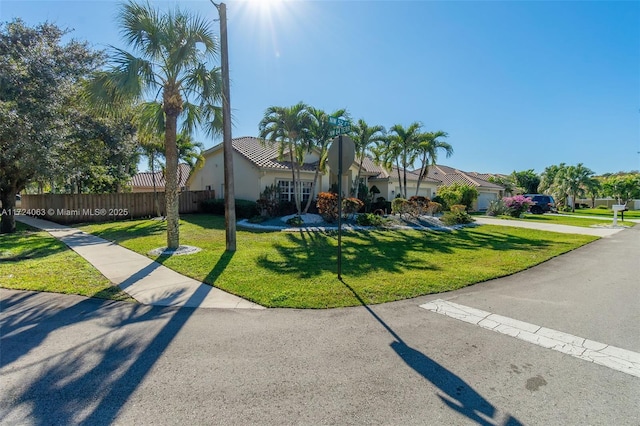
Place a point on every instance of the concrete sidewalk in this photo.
(145, 280)
(565, 229)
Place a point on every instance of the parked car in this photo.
(542, 203)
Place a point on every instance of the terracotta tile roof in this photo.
(145, 179)
(449, 175)
(263, 155)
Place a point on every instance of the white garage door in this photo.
(484, 198)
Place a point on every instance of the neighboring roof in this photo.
(449, 175)
(145, 179)
(262, 154)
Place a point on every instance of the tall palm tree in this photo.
(288, 128)
(427, 149)
(318, 138)
(364, 137)
(403, 144)
(168, 62)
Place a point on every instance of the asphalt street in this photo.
(72, 360)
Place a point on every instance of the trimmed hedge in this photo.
(245, 209)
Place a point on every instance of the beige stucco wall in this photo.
(249, 180)
(246, 177)
(389, 189)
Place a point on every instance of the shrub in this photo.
(419, 204)
(457, 216)
(496, 208)
(517, 205)
(370, 219)
(351, 206)
(443, 204)
(295, 221)
(457, 193)
(244, 208)
(269, 202)
(434, 207)
(399, 206)
(328, 206)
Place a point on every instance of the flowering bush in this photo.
(328, 206)
(517, 205)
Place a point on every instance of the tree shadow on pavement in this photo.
(455, 392)
(89, 380)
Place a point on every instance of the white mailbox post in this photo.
(617, 208)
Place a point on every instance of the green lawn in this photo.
(566, 220)
(631, 214)
(33, 260)
(278, 269)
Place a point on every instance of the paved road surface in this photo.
(71, 360)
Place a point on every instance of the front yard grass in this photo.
(630, 214)
(34, 260)
(567, 220)
(298, 270)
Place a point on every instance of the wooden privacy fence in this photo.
(77, 208)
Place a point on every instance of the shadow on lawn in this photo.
(27, 244)
(454, 392)
(308, 254)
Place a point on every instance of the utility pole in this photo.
(227, 146)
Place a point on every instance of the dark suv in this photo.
(542, 203)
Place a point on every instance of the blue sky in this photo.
(517, 85)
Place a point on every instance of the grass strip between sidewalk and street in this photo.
(34, 260)
(298, 269)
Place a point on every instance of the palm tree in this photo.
(402, 144)
(575, 180)
(288, 127)
(363, 137)
(427, 148)
(170, 53)
(189, 152)
(318, 137)
(151, 146)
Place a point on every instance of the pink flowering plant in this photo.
(517, 205)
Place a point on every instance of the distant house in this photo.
(487, 191)
(256, 166)
(143, 182)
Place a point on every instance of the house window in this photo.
(287, 190)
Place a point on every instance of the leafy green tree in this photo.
(151, 146)
(288, 127)
(528, 180)
(318, 138)
(429, 144)
(170, 57)
(363, 137)
(508, 182)
(623, 187)
(38, 76)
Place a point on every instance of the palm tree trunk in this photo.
(313, 189)
(357, 183)
(423, 172)
(294, 190)
(399, 177)
(171, 185)
(153, 179)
